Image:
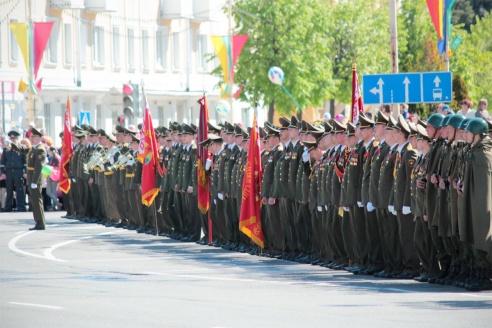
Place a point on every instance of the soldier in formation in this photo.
(382, 197)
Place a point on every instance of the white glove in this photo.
(326, 207)
(6, 142)
(370, 207)
(34, 185)
(320, 208)
(305, 156)
(406, 210)
(391, 208)
(208, 164)
(360, 204)
(221, 197)
(394, 213)
(130, 162)
(215, 201)
(74, 180)
(346, 209)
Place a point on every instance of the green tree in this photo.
(293, 36)
(463, 13)
(472, 59)
(417, 45)
(460, 91)
(359, 29)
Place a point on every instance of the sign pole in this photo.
(394, 47)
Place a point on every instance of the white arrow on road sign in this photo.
(406, 82)
(437, 81)
(380, 90)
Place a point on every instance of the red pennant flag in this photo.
(250, 220)
(39, 84)
(203, 155)
(357, 105)
(67, 149)
(42, 31)
(150, 158)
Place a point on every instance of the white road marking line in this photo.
(38, 305)
(48, 253)
(14, 248)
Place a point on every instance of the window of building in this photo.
(116, 48)
(84, 36)
(130, 44)
(14, 47)
(51, 54)
(98, 45)
(176, 52)
(145, 50)
(67, 44)
(202, 50)
(1, 52)
(161, 47)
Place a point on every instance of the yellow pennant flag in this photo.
(22, 86)
(222, 50)
(20, 32)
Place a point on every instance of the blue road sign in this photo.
(407, 88)
(85, 118)
(437, 87)
(392, 88)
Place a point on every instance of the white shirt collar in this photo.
(368, 143)
(401, 147)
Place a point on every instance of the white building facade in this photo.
(97, 46)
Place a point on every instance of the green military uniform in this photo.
(36, 158)
(388, 220)
(405, 162)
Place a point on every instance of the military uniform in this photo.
(405, 162)
(13, 165)
(36, 158)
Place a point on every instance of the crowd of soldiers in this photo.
(384, 197)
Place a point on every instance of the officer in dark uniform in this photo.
(36, 158)
(12, 170)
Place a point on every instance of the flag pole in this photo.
(142, 84)
(231, 60)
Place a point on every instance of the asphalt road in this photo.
(76, 274)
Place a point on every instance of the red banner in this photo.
(67, 149)
(203, 155)
(250, 220)
(42, 31)
(150, 158)
(357, 105)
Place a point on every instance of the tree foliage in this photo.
(360, 32)
(293, 36)
(472, 58)
(460, 91)
(315, 43)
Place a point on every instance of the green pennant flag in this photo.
(456, 42)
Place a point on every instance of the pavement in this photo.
(76, 274)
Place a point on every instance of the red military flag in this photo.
(67, 149)
(149, 155)
(250, 220)
(357, 105)
(203, 155)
